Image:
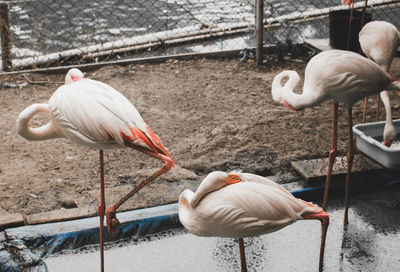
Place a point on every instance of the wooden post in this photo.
(259, 31)
(5, 34)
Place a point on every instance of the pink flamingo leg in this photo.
(365, 109)
(350, 156)
(242, 255)
(332, 154)
(324, 218)
(112, 221)
(101, 209)
(349, 29)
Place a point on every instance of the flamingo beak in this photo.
(232, 179)
(286, 104)
(387, 143)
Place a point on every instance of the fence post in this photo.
(259, 31)
(5, 34)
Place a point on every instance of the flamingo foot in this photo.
(112, 221)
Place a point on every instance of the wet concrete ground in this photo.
(371, 242)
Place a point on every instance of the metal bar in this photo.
(259, 31)
(5, 34)
(88, 66)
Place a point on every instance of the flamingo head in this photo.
(219, 179)
(389, 134)
(387, 143)
(213, 182)
(348, 2)
(286, 104)
(73, 75)
(281, 92)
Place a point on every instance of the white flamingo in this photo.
(94, 114)
(241, 205)
(379, 41)
(341, 76)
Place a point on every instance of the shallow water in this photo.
(370, 242)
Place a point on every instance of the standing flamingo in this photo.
(379, 41)
(341, 76)
(94, 114)
(241, 205)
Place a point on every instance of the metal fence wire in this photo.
(46, 33)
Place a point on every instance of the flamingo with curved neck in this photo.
(94, 114)
(340, 76)
(379, 41)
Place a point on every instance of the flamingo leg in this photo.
(112, 221)
(242, 255)
(365, 109)
(349, 28)
(378, 104)
(101, 209)
(350, 156)
(332, 153)
(324, 218)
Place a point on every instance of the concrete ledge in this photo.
(315, 170)
(11, 220)
(60, 215)
(53, 237)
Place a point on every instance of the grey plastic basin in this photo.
(366, 142)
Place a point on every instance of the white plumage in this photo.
(251, 207)
(379, 41)
(242, 205)
(94, 114)
(340, 76)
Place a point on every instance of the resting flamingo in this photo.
(241, 205)
(341, 76)
(94, 114)
(379, 41)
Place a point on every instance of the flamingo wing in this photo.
(247, 177)
(94, 114)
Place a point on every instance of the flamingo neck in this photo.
(212, 182)
(284, 93)
(389, 132)
(199, 194)
(185, 198)
(48, 131)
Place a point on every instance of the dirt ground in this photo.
(210, 114)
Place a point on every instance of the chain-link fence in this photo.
(48, 33)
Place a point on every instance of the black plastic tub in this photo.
(339, 28)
